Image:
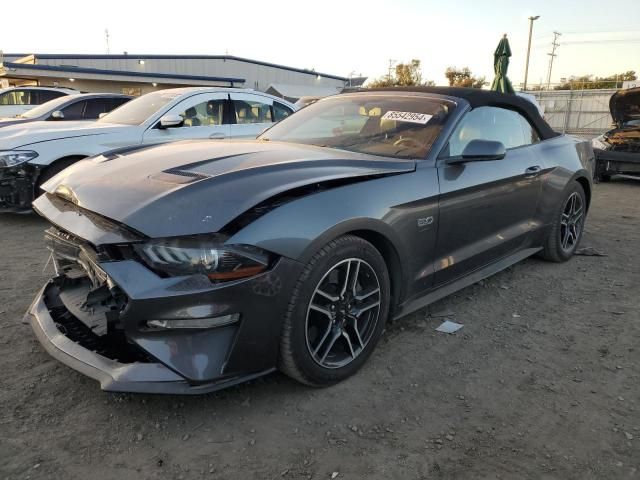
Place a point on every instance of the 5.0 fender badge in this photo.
(425, 222)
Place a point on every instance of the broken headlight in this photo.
(599, 143)
(207, 256)
(11, 158)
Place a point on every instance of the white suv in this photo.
(17, 100)
(35, 152)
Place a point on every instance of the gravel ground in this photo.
(542, 382)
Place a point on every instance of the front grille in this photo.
(113, 345)
(626, 147)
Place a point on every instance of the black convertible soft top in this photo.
(485, 98)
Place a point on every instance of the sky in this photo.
(344, 37)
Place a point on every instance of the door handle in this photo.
(217, 136)
(533, 171)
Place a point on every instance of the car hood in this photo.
(17, 135)
(6, 121)
(625, 105)
(195, 187)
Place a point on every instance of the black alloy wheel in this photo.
(337, 312)
(342, 313)
(566, 231)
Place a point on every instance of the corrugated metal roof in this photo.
(70, 56)
(125, 73)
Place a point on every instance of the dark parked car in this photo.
(83, 106)
(618, 150)
(191, 266)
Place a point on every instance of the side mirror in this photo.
(57, 115)
(171, 120)
(480, 151)
(102, 114)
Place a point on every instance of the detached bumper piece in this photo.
(111, 320)
(611, 162)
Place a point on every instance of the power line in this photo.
(610, 40)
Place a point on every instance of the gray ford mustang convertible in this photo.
(192, 266)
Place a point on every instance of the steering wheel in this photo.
(407, 142)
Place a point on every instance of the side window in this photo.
(8, 98)
(252, 111)
(95, 106)
(490, 123)
(530, 134)
(17, 97)
(25, 97)
(46, 95)
(280, 111)
(74, 111)
(203, 114)
(116, 102)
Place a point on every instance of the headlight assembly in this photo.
(207, 256)
(599, 143)
(11, 158)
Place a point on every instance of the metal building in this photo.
(138, 74)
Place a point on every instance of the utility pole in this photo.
(391, 64)
(553, 54)
(526, 68)
(106, 35)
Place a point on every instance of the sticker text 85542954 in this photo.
(412, 117)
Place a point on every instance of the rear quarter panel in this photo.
(565, 159)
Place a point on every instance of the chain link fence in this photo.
(584, 113)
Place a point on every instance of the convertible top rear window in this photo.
(387, 125)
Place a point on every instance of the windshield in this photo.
(390, 125)
(138, 110)
(48, 107)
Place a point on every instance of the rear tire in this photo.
(337, 313)
(566, 231)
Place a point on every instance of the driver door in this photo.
(204, 117)
(487, 208)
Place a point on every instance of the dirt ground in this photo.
(542, 382)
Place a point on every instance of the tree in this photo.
(589, 82)
(406, 75)
(462, 77)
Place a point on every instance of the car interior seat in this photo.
(191, 118)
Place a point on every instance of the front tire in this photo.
(337, 313)
(566, 231)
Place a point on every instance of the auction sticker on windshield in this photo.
(411, 117)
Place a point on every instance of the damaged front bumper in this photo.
(17, 187)
(106, 316)
(611, 162)
(124, 355)
(114, 376)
